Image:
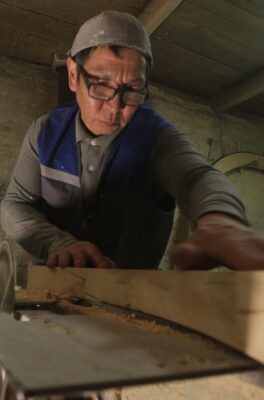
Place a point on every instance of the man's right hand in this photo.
(79, 254)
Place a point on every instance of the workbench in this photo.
(63, 342)
(49, 354)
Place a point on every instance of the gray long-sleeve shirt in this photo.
(175, 165)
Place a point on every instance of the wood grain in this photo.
(156, 13)
(228, 306)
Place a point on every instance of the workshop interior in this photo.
(138, 335)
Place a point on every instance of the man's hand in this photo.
(79, 254)
(220, 240)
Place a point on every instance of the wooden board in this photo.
(156, 13)
(35, 30)
(228, 306)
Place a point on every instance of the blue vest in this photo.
(122, 193)
(126, 161)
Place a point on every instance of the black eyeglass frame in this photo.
(121, 90)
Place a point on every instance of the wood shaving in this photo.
(63, 304)
(67, 307)
(34, 296)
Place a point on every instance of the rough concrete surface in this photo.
(26, 91)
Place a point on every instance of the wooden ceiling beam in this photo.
(156, 12)
(240, 93)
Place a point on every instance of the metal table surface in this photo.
(57, 354)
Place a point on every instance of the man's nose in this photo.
(115, 103)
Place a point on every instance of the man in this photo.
(96, 182)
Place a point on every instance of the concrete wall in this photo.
(28, 90)
(214, 134)
(217, 135)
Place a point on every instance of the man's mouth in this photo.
(112, 124)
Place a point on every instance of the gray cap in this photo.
(113, 28)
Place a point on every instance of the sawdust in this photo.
(67, 307)
(223, 387)
(34, 296)
(63, 304)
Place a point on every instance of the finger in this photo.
(64, 259)
(189, 256)
(97, 258)
(81, 260)
(52, 260)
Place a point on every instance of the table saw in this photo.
(66, 346)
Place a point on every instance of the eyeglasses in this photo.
(101, 91)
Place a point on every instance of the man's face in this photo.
(127, 68)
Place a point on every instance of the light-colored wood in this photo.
(228, 306)
(235, 161)
(61, 280)
(156, 12)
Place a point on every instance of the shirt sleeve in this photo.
(197, 187)
(20, 215)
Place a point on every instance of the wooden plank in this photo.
(62, 280)
(233, 13)
(228, 306)
(189, 69)
(240, 93)
(207, 42)
(156, 12)
(75, 11)
(253, 8)
(215, 50)
(190, 61)
(220, 17)
(35, 30)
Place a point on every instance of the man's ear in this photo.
(72, 74)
